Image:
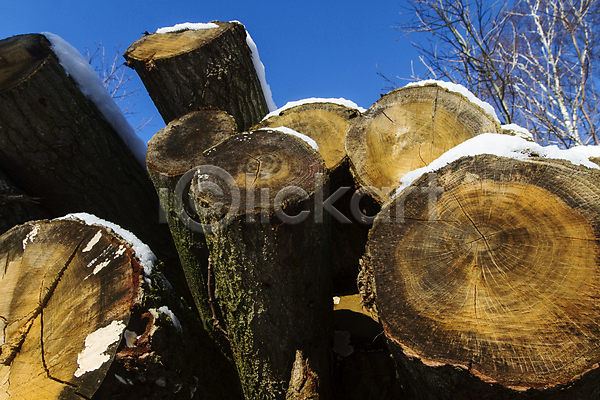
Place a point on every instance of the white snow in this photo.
(453, 87)
(89, 83)
(258, 65)
(518, 131)
(292, 132)
(143, 253)
(498, 145)
(340, 101)
(589, 151)
(165, 310)
(96, 344)
(260, 71)
(188, 26)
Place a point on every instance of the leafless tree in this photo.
(532, 61)
(116, 78)
(555, 79)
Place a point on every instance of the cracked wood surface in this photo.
(407, 129)
(60, 281)
(502, 284)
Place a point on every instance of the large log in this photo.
(84, 313)
(172, 153)
(270, 256)
(486, 279)
(407, 129)
(191, 69)
(326, 123)
(57, 147)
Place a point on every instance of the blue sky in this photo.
(310, 48)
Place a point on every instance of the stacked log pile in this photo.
(479, 278)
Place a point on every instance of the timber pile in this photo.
(484, 286)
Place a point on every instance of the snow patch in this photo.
(518, 131)
(143, 253)
(501, 146)
(188, 26)
(456, 88)
(76, 66)
(260, 70)
(291, 104)
(165, 310)
(299, 135)
(96, 344)
(589, 151)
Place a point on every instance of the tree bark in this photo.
(407, 129)
(57, 147)
(82, 316)
(172, 152)
(191, 69)
(271, 266)
(327, 124)
(485, 278)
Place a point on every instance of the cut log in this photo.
(324, 122)
(172, 152)
(486, 280)
(191, 69)
(270, 257)
(327, 123)
(407, 129)
(83, 314)
(58, 148)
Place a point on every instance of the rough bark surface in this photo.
(191, 69)
(327, 124)
(485, 279)
(172, 152)
(407, 129)
(57, 147)
(272, 278)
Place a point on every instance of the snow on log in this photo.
(270, 259)
(193, 66)
(326, 121)
(172, 152)
(410, 127)
(485, 272)
(62, 150)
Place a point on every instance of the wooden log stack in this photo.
(482, 276)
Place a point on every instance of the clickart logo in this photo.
(226, 198)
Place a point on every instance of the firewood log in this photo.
(191, 69)
(485, 275)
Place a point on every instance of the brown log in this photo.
(407, 129)
(493, 295)
(58, 148)
(272, 274)
(327, 123)
(83, 315)
(192, 69)
(172, 152)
